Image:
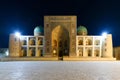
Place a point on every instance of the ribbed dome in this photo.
(38, 31)
(81, 30)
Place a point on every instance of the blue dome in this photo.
(82, 30)
(38, 31)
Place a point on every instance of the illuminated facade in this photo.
(61, 38)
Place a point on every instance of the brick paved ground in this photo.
(60, 70)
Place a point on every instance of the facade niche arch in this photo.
(88, 42)
(96, 53)
(89, 52)
(80, 42)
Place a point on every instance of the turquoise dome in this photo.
(38, 31)
(82, 30)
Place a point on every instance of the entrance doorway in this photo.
(60, 56)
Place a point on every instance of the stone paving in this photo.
(60, 70)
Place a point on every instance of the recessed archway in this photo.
(60, 41)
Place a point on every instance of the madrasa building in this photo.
(61, 39)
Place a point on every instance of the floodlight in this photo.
(17, 34)
(104, 34)
(7, 53)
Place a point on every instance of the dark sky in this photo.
(24, 15)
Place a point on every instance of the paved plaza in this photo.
(60, 70)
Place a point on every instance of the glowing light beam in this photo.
(18, 34)
(104, 34)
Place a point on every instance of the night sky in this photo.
(25, 15)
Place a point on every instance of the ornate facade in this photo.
(61, 38)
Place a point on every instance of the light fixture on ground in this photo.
(7, 53)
